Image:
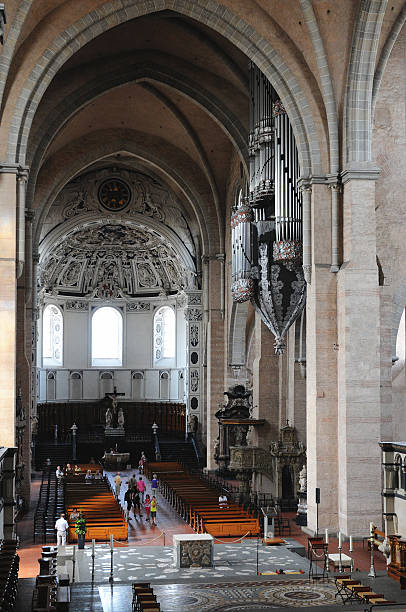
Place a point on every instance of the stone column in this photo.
(215, 385)
(321, 365)
(296, 391)
(8, 303)
(265, 397)
(359, 410)
(194, 352)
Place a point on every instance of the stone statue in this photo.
(217, 448)
(34, 425)
(120, 418)
(385, 549)
(303, 479)
(109, 417)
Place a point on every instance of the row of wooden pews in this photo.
(51, 592)
(9, 564)
(103, 514)
(197, 502)
(353, 591)
(144, 599)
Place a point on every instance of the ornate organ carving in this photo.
(267, 222)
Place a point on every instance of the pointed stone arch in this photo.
(209, 12)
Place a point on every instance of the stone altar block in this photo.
(193, 550)
(116, 460)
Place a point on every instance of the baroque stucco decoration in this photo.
(107, 259)
(149, 198)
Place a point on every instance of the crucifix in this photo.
(112, 411)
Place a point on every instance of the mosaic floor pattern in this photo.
(156, 563)
(226, 597)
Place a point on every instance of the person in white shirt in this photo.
(61, 527)
(223, 502)
(59, 474)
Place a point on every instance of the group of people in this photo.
(136, 497)
(68, 469)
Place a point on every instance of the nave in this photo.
(148, 556)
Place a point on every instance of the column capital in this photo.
(22, 174)
(17, 169)
(334, 181)
(220, 256)
(304, 184)
(360, 171)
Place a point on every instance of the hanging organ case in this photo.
(267, 221)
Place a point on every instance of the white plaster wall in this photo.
(62, 385)
(151, 384)
(181, 338)
(137, 356)
(90, 384)
(139, 340)
(122, 380)
(75, 339)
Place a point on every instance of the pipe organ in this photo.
(266, 223)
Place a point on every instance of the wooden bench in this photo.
(104, 516)
(353, 591)
(198, 503)
(143, 599)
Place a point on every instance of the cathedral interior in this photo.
(201, 247)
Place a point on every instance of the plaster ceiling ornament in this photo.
(120, 192)
(138, 306)
(103, 259)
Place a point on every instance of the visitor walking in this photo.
(117, 483)
(154, 505)
(128, 499)
(147, 506)
(132, 482)
(154, 483)
(136, 502)
(59, 475)
(142, 462)
(61, 527)
(141, 488)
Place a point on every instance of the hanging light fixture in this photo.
(267, 221)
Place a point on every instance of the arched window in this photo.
(107, 337)
(52, 336)
(164, 334)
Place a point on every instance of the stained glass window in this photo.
(52, 336)
(164, 334)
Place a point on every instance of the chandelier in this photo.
(266, 223)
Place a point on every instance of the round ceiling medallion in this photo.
(114, 194)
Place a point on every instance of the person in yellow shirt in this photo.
(154, 504)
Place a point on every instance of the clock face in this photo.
(114, 194)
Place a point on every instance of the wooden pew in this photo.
(198, 503)
(103, 514)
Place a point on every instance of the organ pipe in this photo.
(266, 223)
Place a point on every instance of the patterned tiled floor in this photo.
(156, 563)
(226, 597)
